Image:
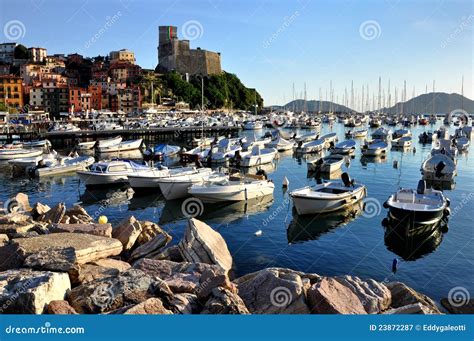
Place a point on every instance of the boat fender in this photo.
(385, 204)
(385, 222)
(447, 212)
(448, 202)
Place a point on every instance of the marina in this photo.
(262, 221)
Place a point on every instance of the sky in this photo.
(272, 45)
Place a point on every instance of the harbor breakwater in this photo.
(59, 260)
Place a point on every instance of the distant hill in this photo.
(422, 104)
(313, 106)
(434, 102)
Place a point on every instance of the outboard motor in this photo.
(439, 169)
(331, 145)
(262, 173)
(346, 179)
(421, 187)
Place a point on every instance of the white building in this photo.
(7, 51)
(36, 97)
(37, 54)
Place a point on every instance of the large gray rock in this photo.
(201, 244)
(104, 230)
(331, 297)
(195, 278)
(402, 295)
(461, 307)
(55, 259)
(54, 215)
(415, 308)
(223, 301)
(24, 291)
(127, 232)
(86, 248)
(151, 248)
(374, 296)
(128, 288)
(273, 291)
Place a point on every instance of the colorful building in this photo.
(11, 91)
(123, 55)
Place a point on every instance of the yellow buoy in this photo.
(103, 219)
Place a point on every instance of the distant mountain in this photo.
(313, 106)
(422, 104)
(434, 102)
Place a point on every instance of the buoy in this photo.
(285, 182)
(395, 164)
(103, 219)
(394, 265)
(258, 233)
(414, 150)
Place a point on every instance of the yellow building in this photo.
(123, 55)
(11, 91)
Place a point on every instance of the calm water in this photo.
(331, 245)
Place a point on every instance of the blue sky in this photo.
(272, 44)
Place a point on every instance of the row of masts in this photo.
(362, 100)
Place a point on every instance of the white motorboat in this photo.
(109, 173)
(382, 134)
(253, 125)
(225, 150)
(401, 133)
(439, 168)
(232, 188)
(259, 156)
(280, 144)
(121, 147)
(109, 142)
(427, 137)
(375, 148)
(330, 139)
(446, 147)
(328, 197)
(315, 146)
(418, 209)
(65, 165)
(344, 147)
(13, 153)
(24, 164)
(462, 143)
(306, 137)
(327, 164)
(89, 145)
(402, 142)
(176, 187)
(357, 133)
(162, 152)
(148, 178)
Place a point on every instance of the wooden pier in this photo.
(179, 135)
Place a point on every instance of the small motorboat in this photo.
(315, 146)
(162, 151)
(417, 209)
(225, 150)
(330, 139)
(258, 156)
(280, 144)
(402, 142)
(252, 141)
(374, 148)
(360, 133)
(382, 134)
(148, 178)
(14, 153)
(306, 137)
(344, 147)
(328, 197)
(232, 188)
(427, 137)
(401, 133)
(121, 147)
(108, 142)
(446, 147)
(64, 165)
(176, 187)
(109, 172)
(327, 164)
(438, 167)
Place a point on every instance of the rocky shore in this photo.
(60, 261)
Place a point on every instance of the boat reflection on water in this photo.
(413, 246)
(222, 213)
(441, 185)
(364, 160)
(268, 168)
(336, 175)
(303, 227)
(128, 154)
(111, 197)
(144, 201)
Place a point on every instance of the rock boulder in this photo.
(402, 295)
(127, 232)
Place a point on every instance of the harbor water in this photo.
(352, 243)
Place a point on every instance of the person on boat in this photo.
(237, 158)
(262, 173)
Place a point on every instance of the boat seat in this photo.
(421, 189)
